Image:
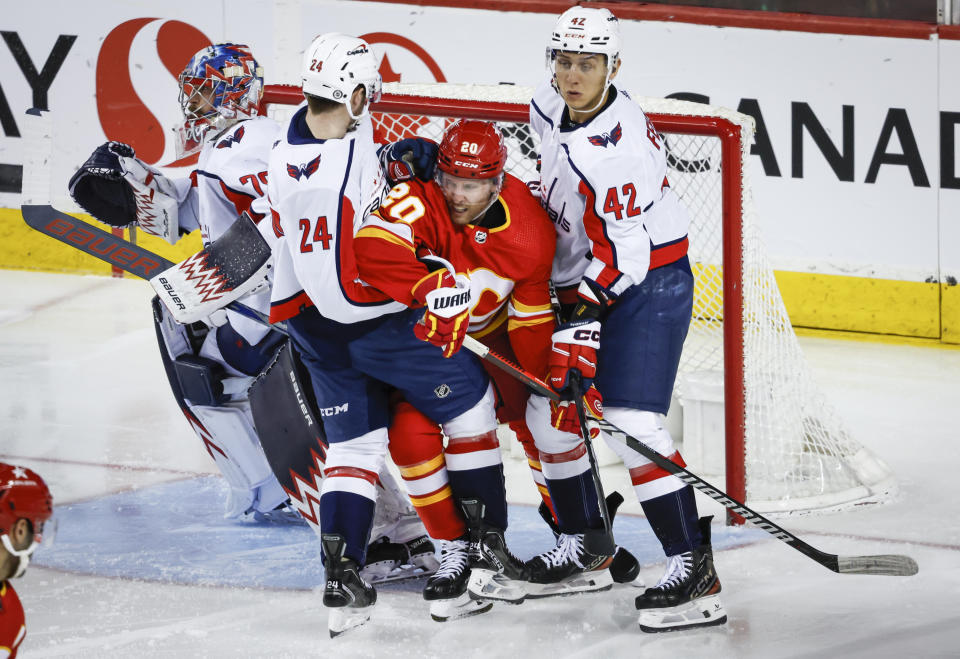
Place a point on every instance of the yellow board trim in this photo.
(22, 248)
(895, 310)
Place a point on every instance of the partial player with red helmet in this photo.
(485, 224)
(26, 505)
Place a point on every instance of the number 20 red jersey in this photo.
(508, 265)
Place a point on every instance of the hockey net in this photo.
(784, 448)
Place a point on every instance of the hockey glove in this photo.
(413, 156)
(99, 188)
(447, 317)
(119, 189)
(563, 414)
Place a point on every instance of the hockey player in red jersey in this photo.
(25, 506)
(622, 259)
(484, 223)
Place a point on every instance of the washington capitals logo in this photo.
(604, 138)
(304, 170)
(230, 140)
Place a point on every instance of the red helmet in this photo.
(23, 494)
(472, 149)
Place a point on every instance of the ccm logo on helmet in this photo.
(586, 335)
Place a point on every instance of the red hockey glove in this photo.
(575, 346)
(563, 414)
(447, 318)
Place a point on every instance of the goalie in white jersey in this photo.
(622, 271)
(211, 365)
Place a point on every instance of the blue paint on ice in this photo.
(175, 532)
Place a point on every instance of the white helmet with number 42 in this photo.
(335, 64)
(586, 30)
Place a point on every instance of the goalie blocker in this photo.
(224, 271)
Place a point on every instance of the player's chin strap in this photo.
(22, 554)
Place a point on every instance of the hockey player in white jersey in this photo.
(356, 342)
(622, 272)
(211, 365)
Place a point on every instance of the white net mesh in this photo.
(798, 455)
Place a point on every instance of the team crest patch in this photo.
(607, 138)
(304, 170)
(442, 391)
(480, 237)
(230, 140)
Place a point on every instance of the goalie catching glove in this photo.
(119, 189)
(447, 317)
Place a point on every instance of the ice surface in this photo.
(145, 566)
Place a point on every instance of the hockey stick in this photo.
(144, 264)
(598, 544)
(896, 565)
(116, 251)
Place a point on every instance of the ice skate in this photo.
(446, 590)
(349, 598)
(687, 595)
(567, 569)
(384, 558)
(423, 554)
(547, 577)
(495, 573)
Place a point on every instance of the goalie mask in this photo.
(470, 163)
(335, 64)
(220, 86)
(24, 495)
(586, 30)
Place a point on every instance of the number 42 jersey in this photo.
(604, 185)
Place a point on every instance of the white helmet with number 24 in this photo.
(335, 64)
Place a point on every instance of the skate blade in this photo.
(402, 573)
(585, 582)
(342, 620)
(702, 612)
(490, 585)
(459, 607)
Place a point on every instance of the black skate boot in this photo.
(422, 554)
(349, 598)
(446, 590)
(624, 568)
(495, 573)
(568, 568)
(384, 558)
(687, 595)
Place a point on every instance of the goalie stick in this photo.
(113, 249)
(144, 264)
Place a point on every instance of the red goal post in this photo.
(760, 466)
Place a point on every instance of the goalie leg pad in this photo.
(227, 432)
(293, 439)
(232, 442)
